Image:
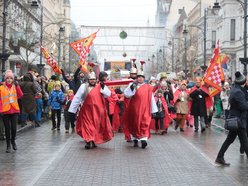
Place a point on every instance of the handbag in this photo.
(232, 124)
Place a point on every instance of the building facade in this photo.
(24, 32)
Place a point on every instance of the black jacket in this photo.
(198, 107)
(238, 104)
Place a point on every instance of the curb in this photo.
(25, 128)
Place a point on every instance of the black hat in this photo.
(101, 75)
(239, 78)
(53, 77)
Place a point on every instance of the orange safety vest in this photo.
(8, 98)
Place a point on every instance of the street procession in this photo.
(138, 92)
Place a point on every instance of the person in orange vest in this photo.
(10, 92)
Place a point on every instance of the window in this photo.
(232, 36)
(213, 38)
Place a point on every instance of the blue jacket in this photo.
(55, 99)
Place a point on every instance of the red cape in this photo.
(124, 127)
(112, 100)
(138, 114)
(167, 119)
(93, 122)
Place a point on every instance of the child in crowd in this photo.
(10, 92)
(69, 118)
(56, 99)
(39, 105)
(160, 115)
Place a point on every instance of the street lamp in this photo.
(244, 60)
(4, 55)
(158, 51)
(61, 30)
(215, 9)
(185, 53)
(35, 4)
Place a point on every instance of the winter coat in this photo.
(198, 107)
(238, 104)
(28, 102)
(56, 99)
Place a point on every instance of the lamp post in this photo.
(4, 56)
(158, 51)
(61, 29)
(215, 10)
(244, 60)
(35, 5)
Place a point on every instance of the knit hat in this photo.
(9, 73)
(239, 78)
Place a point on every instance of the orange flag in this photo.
(82, 48)
(51, 61)
(214, 74)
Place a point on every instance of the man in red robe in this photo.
(93, 123)
(142, 104)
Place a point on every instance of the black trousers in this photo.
(69, 120)
(241, 133)
(161, 126)
(10, 123)
(58, 113)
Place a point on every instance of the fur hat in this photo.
(239, 78)
(9, 73)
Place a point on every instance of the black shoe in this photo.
(221, 161)
(241, 150)
(187, 123)
(143, 144)
(87, 146)
(135, 143)
(54, 128)
(93, 145)
(181, 130)
(8, 150)
(176, 126)
(196, 130)
(203, 130)
(72, 130)
(14, 145)
(191, 126)
(58, 129)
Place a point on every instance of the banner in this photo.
(214, 74)
(51, 61)
(82, 48)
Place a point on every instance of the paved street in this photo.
(52, 158)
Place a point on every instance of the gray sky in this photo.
(117, 12)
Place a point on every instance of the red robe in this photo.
(138, 114)
(93, 122)
(167, 118)
(116, 116)
(124, 127)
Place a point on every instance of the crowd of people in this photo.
(96, 110)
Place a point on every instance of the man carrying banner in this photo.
(138, 114)
(93, 124)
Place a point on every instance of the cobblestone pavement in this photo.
(50, 158)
